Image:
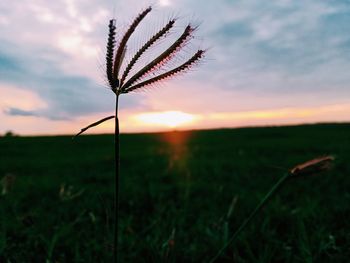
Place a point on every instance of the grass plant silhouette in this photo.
(155, 71)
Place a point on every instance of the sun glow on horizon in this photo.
(170, 119)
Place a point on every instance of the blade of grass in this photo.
(252, 215)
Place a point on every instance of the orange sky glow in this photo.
(152, 121)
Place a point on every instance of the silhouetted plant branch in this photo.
(121, 85)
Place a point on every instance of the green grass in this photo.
(176, 190)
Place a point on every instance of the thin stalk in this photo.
(252, 215)
(117, 168)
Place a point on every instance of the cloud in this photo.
(58, 58)
(35, 113)
(67, 95)
(258, 45)
(19, 112)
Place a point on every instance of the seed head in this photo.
(148, 74)
(313, 166)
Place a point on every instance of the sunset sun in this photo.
(170, 119)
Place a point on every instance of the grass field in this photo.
(176, 190)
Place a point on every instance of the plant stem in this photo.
(117, 168)
(252, 215)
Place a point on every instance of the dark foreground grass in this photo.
(176, 191)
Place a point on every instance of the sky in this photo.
(266, 63)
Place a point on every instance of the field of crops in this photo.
(175, 193)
